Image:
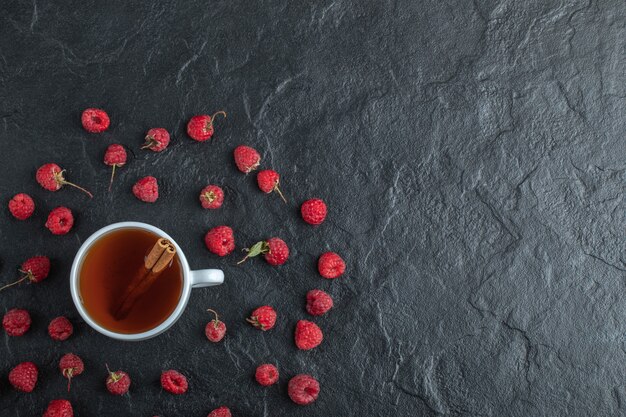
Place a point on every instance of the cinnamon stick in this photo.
(157, 260)
(155, 253)
(164, 259)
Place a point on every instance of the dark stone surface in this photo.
(472, 155)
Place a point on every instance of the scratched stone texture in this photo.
(472, 156)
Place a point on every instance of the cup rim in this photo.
(74, 281)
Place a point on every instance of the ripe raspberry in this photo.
(157, 139)
(200, 128)
(146, 189)
(24, 377)
(21, 206)
(174, 382)
(220, 240)
(223, 411)
(303, 389)
(70, 366)
(266, 374)
(268, 181)
(263, 318)
(330, 265)
(215, 329)
(50, 176)
(60, 329)
(274, 250)
(60, 221)
(59, 408)
(95, 120)
(313, 211)
(318, 302)
(115, 156)
(211, 197)
(16, 322)
(247, 159)
(34, 269)
(118, 382)
(308, 335)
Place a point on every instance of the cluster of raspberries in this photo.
(303, 389)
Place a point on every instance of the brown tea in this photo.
(107, 270)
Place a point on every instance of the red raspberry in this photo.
(95, 120)
(274, 250)
(59, 408)
(330, 265)
(118, 382)
(60, 329)
(21, 206)
(115, 156)
(174, 382)
(70, 366)
(278, 251)
(146, 189)
(16, 322)
(318, 302)
(247, 159)
(211, 197)
(263, 318)
(268, 181)
(308, 335)
(223, 411)
(34, 269)
(220, 240)
(157, 139)
(266, 374)
(60, 221)
(313, 211)
(50, 176)
(215, 329)
(303, 389)
(24, 377)
(200, 128)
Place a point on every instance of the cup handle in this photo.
(206, 278)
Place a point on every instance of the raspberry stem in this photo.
(112, 175)
(114, 376)
(280, 193)
(14, 283)
(77, 186)
(212, 118)
(60, 179)
(68, 372)
(216, 320)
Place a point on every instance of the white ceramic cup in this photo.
(191, 279)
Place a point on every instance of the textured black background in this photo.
(471, 154)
